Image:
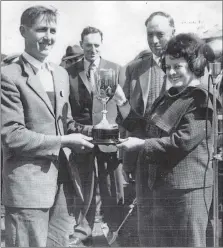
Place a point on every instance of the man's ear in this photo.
(22, 30)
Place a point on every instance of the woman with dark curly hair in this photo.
(174, 173)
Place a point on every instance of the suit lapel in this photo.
(35, 84)
(145, 80)
(83, 76)
(58, 89)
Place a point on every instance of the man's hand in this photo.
(119, 96)
(77, 142)
(131, 144)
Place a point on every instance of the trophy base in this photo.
(105, 136)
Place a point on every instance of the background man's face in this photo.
(40, 38)
(91, 45)
(159, 33)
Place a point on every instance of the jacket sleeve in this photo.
(15, 136)
(75, 127)
(72, 125)
(126, 85)
(132, 121)
(192, 129)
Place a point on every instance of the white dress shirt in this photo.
(43, 71)
(91, 73)
(87, 64)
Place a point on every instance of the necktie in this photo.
(44, 66)
(45, 76)
(91, 75)
(162, 63)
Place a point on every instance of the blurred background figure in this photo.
(73, 55)
(8, 59)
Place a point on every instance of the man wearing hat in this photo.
(73, 55)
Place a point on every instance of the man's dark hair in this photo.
(190, 47)
(30, 15)
(160, 13)
(91, 30)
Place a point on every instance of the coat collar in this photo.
(36, 63)
(87, 63)
(82, 72)
(83, 75)
(34, 83)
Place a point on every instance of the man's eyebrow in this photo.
(45, 27)
(155, 32)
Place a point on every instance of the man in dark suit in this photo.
(36, 119)
(86, 109)
(145, 78)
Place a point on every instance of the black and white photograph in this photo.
(111, 124)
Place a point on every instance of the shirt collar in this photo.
(36, 63)
(157, 59)
(87, 63)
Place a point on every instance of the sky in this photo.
(122, 23)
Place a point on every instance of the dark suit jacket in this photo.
(136, 90)
(87, 110)
(31, 135)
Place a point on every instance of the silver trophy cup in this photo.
(105, 87)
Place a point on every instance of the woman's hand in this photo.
(131, 144)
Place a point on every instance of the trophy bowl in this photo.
(106, 84)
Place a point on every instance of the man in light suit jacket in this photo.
(145, 76)
(86, 109)
(36, 119)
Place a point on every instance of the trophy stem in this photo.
(104, 114)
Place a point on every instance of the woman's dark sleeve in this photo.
(193, 127)
(132, 121)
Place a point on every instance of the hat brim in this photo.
(73, 56)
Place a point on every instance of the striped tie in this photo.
(91, 75)
(162, 63)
